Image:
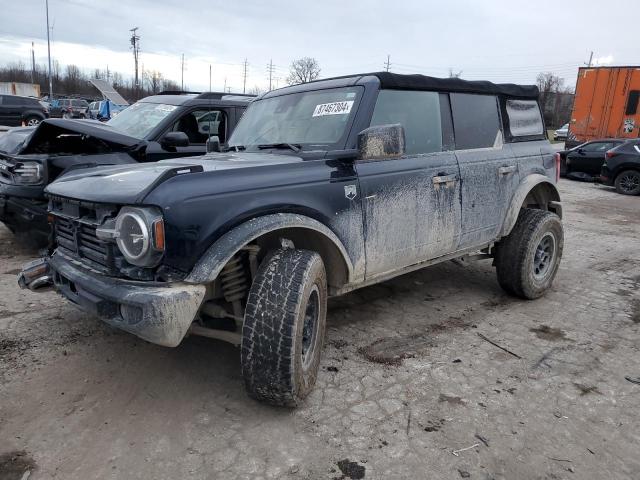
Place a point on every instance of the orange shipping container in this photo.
(605, 105)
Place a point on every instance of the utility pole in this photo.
(244, 76)
(270, 69)
(135, 46)
(387, 64)
(49, 54)
(182, 73)
(33, 64)
(209, 77)
(590, 60)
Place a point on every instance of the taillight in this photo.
(610, 154)
(557, 158)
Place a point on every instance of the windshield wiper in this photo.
(291, 146)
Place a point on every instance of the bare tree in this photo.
(256, 90)
(154, 80)
(303, 70)
(453, 74)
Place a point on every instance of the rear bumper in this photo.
(158, 313)
(24, 208)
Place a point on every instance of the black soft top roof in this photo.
(415, 82)
(422, 82)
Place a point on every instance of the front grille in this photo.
(75, 226)
(80, 240)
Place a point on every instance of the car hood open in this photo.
(12, 141)
(42, 139)
(130, 184)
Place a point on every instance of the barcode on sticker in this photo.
(333, 108)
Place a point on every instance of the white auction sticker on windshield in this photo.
(333, 108)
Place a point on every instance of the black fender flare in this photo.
(525, 187)
(222, 250)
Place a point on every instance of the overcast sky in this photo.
(503, 41)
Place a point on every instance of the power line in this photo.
(182, 73)
(244, 76)
(49, 54)
(135, 46)
(270, 69)
(387, 64)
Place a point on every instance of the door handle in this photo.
(438, 179)
(507, 170)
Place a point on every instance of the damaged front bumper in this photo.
(158, 313)
(24, 209)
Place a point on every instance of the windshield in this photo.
(314, 119)
(141, 118)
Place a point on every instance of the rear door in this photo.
(488, 169)
(412, 203)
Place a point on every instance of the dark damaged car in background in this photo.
(155, 128)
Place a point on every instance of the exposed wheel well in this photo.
(543, 197)
(307, 239)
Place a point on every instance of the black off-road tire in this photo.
(628, 182)
(519, 262)
(287, 285)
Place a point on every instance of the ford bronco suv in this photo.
(323, 188)
(155, 128)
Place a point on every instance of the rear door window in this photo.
(524, 118)
(476, 122)
(417, 112)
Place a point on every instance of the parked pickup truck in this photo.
(324, 188)
(155, 128)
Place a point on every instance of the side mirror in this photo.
(174, 139)
(213, 144)
(381, 142)
(581, 151)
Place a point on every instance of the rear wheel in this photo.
(32, 121)
(528, 258)
(284, 327)
(628, 182)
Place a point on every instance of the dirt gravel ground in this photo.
(80, 400)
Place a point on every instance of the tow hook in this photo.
(35, 275)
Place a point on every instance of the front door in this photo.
(411, 204)
(589, 158)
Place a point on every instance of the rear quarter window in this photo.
(524, 118)
(476, 121)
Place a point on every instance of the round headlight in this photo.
(133, 236)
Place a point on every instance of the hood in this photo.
(11, 142)
(130, 184)
(57, 135)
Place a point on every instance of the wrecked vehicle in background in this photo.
(155, 128)
(324, 188)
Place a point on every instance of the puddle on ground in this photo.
(15, 465)
(351, 469)
(549, 333)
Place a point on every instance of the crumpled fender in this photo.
(521, 193)
(218, 254)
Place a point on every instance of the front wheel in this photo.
(528, 258)
(628, 182)
(284, 327)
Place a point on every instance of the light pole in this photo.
(49, 54)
